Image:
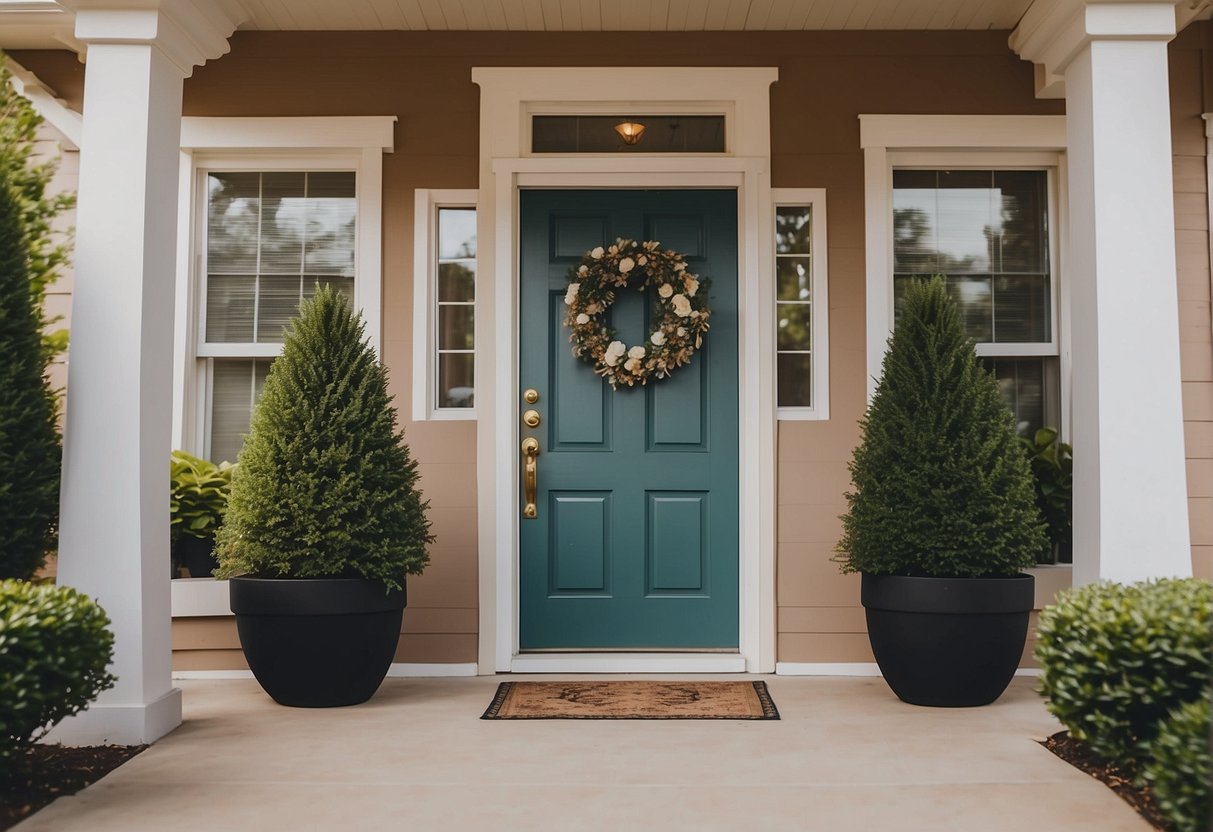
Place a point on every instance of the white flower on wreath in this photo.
(692, 285)
(614, 351)
(681, 333)
(666, 290)
(597, 252)
(632, 365)
(626, 265)
(642, 260)
(583, 269)
(682, 306)
(636, 352)
(658, 338)
(570, 296)
(583, 318)
(680, 266)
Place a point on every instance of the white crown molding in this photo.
(188, 32)
(1053, 32)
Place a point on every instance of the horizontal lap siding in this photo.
(1191, 96)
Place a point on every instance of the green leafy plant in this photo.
(325, 486)
(1180, 769)
(941, 486)
(1052, 464)
(30, 455)
(55, 646)
(199, 495)
(1115, 659)
(47, 250)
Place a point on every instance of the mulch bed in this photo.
(1077, 754)
(55, 771)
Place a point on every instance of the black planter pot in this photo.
(197, 554)
(317, 642)
(948, 642)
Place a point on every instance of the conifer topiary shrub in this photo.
(325, 486)
(55, 646)
(30, 455)
(942, 487)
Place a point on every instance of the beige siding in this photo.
(1190, 97)
(826, 81)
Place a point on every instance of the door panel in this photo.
(635, 543)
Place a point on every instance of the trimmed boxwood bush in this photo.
(1116, 659)
(55, 646)
(325, 486)
(1180, 770)
(942, 485)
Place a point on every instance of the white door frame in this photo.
(509, 96)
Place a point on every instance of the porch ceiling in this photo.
(44, 24)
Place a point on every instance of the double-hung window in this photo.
(269, 237)
(989, 232)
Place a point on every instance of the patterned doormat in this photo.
(632, 700)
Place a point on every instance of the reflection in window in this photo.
(236, 385)
(270, 238)
(987, 232)
(793, 306)
(456, 330)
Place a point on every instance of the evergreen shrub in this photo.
(942, 487)
(1116, 659)
(1180, 771)
(55, 646)
(30, 454)
(325, 486)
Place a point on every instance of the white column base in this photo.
(138, 724)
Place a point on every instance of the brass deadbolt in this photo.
(530, 395)
(531, 418)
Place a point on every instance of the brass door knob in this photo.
(530, 395)
(531, 418)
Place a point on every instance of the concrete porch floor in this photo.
(846, 755)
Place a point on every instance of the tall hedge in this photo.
(942, 487)
(325, 485)
(29, 440)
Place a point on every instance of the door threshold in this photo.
(628, 663)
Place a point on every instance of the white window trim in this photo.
(815, 198)
(348, 143)
(426, 203)
(975, 141)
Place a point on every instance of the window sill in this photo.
(197, 597)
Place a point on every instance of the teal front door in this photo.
(635, 542)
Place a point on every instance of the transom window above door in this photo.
(628, 133)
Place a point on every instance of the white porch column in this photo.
(1130, 506)
(113, 538)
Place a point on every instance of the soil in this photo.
(1077, 754)
(54, 771)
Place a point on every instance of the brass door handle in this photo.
(530, 475)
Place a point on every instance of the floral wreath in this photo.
(680, 313)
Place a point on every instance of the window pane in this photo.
(229, 308)
(456, 327)
(456, 380)
(344, 285)
(232, 220)
(792, 229)
(285, 227)
(279, 303)
(457, 282)
(967, 224)
(456, 233)
(793, 322)
(236, 384)
(794, 278)
(1021, 309)
(1022, 382)
(597, 134)
(795, 374)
